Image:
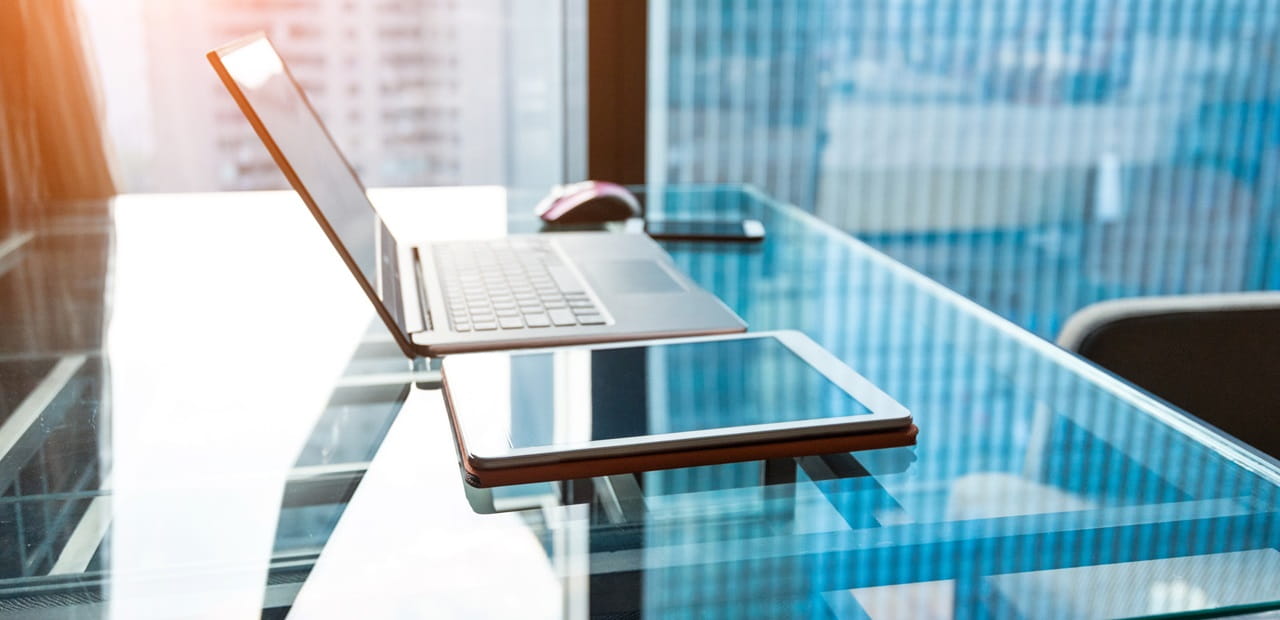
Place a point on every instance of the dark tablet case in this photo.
(593, 467)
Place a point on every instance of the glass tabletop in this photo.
(198, 417)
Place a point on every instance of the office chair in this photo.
(1215, 356)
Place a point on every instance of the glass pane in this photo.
(260, 467)
(1036, 157)
(415, 92)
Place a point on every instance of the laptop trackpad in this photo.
(629, 276)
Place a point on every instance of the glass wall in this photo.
(1034, 155)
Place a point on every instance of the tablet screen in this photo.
(576, 396)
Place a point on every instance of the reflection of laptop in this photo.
(517, 291)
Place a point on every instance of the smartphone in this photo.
(705, 230)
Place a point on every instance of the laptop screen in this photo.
(292, 131)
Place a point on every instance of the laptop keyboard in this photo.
(511, 284)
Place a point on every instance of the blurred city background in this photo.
(416, 92)
(1034, 156)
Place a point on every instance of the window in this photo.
(390, 61)
(1035, 156)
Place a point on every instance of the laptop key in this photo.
(512, 284)
(562, 317)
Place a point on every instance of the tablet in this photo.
(525, 416)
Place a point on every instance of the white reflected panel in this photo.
(223, 350)
(1141, 588)
(395, 553)
(572, 397)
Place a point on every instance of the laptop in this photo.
(441, 298)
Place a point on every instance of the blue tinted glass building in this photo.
(1034, 156)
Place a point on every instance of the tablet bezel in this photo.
(488, 448)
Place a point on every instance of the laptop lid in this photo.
(287, 124)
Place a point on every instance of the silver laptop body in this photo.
(511, 292)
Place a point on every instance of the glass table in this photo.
(198, 417)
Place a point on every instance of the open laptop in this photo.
(511, 292)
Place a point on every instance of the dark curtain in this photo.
(52, 147)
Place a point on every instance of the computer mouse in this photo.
(588, 202)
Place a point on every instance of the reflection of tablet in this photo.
(580, 412)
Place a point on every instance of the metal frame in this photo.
(617, 52)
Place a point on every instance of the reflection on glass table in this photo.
(63, 430)
(1038, 478)
(510, 404)
(325, 482)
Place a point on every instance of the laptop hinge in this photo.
(423, 314)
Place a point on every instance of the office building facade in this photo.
(393, 81)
